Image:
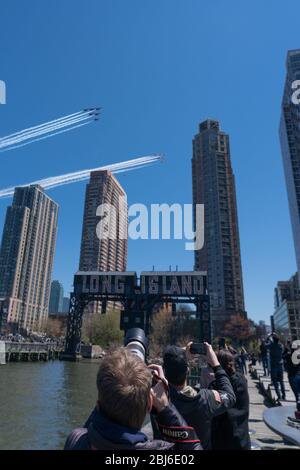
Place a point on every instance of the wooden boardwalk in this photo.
(262, 435)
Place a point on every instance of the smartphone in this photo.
(198, 348)
(221, 343)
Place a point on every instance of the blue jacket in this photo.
(100, 433)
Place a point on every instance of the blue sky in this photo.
(157, 68)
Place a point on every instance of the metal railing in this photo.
(14, 347)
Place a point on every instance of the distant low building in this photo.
(287, 308)
(262, 326)
(262, 329)
(268, 329)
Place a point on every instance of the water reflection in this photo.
(41, 403)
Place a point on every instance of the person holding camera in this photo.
(230, 431)
(127, 391)
(198, 407)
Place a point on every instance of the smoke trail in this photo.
(113, 167)
(30, 129)
(31, 135)
(46, 130)
(82, 175)
(42, 138)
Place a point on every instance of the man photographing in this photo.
(197, 407)
(126, 393)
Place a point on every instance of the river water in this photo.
(41, 402)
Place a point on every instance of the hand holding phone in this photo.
(198, 348)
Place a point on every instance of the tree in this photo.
(55, 328)
(161, 332)
(238, 329)
(167, 329)
(103, 329)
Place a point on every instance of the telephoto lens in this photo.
(137, 342)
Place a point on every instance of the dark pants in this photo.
(264, 360)
(277, 378)
(295, 386)
(244, 366)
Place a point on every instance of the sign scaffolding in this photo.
(138, 297)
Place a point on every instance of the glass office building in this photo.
(287, 309)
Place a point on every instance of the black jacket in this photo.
(100, 433)
(230, 430)
(263, 350)
(276, 353)
(291, 368)
(199, 410)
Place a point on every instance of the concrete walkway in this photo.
(262, 435)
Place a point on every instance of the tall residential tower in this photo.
(214, 186)
(26, 259)
(105, 224)
(104, 232)
(290, 146)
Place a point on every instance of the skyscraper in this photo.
(105, 251)
(26, 258)
(56, 297)
(104, 232)
(214, 186)
(290, 146)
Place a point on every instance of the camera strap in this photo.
(178, 433)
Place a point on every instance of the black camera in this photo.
(136, 342)
(198, 348)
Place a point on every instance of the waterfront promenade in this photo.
(262, 438)
(262, 435)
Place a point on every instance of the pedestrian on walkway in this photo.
(276, 360)
(264, 357)
(243, 356)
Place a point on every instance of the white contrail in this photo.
(33, 137)
(31, 134)
(29, 129)
(42, 138)
(46, 129)
(50, 123)
(77, 176)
